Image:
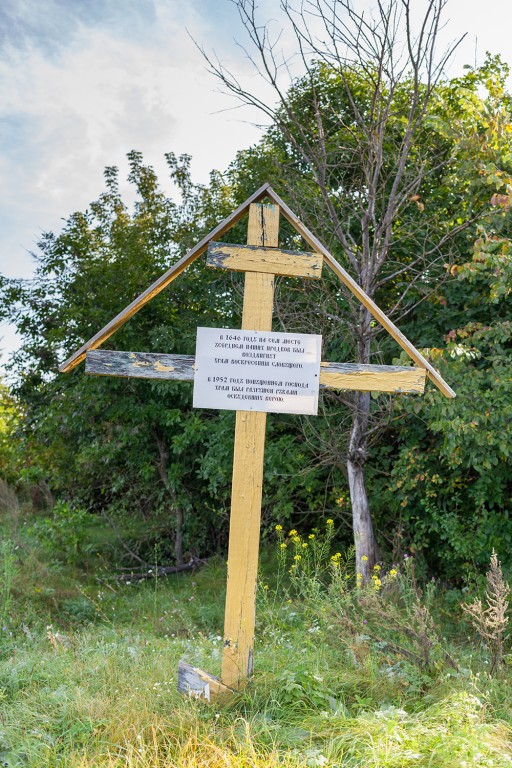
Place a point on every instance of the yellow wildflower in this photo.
(279, 527)
(330, 522)
(376, 567)
(293, 532)
(296, 539)
(393, 572)
(283, 545)
(297, 557)
(364, 558)
(311, 536)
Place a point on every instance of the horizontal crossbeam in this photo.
(251, 258)
(151, 365)
(140, 365)
(372, 378)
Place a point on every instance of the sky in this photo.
(83, 82)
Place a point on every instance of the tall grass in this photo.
(7, 572)
(88, 675)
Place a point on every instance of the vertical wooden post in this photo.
(244, 527)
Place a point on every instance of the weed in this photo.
(64, 531)
(490, 621)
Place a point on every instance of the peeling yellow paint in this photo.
(141, 364)
(132, 355)
(158, 366)
(409, 380)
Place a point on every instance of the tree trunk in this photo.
(178, 512)
(178, 545)
(364, 538)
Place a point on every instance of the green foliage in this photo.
(438, 471)
(63, 531)
(10, 418)
(303, 690)
(135, 449)
(127, 448)
(391, 615)
(307, 559)
(450, 482)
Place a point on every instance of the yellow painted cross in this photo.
(261, 260)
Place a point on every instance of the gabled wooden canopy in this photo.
(265, 191)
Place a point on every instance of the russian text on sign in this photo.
(257, 371)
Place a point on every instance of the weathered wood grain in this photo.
(162, 282)
(141, 365)
(151, 365)
(372, 378)
(263, 224)
(201, 685)
(370, 305)
(247, 258)
(245, 519)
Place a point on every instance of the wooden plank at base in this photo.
(250, 258)
(372, 378)
(141, 365)
(197, 684)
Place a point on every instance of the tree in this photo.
(136, 451)
(118, 446)
(449, 486)
(10, 416)
(361, 159)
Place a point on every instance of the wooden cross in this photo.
(261, 260)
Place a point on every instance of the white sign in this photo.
(257, 371)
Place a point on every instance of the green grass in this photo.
(88, 678)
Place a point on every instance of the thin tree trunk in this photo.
(178, 512)
(364, 538)
(178, 545)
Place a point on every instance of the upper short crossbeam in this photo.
(274, 261)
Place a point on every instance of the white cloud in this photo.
(82, 82)
(67, 117)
